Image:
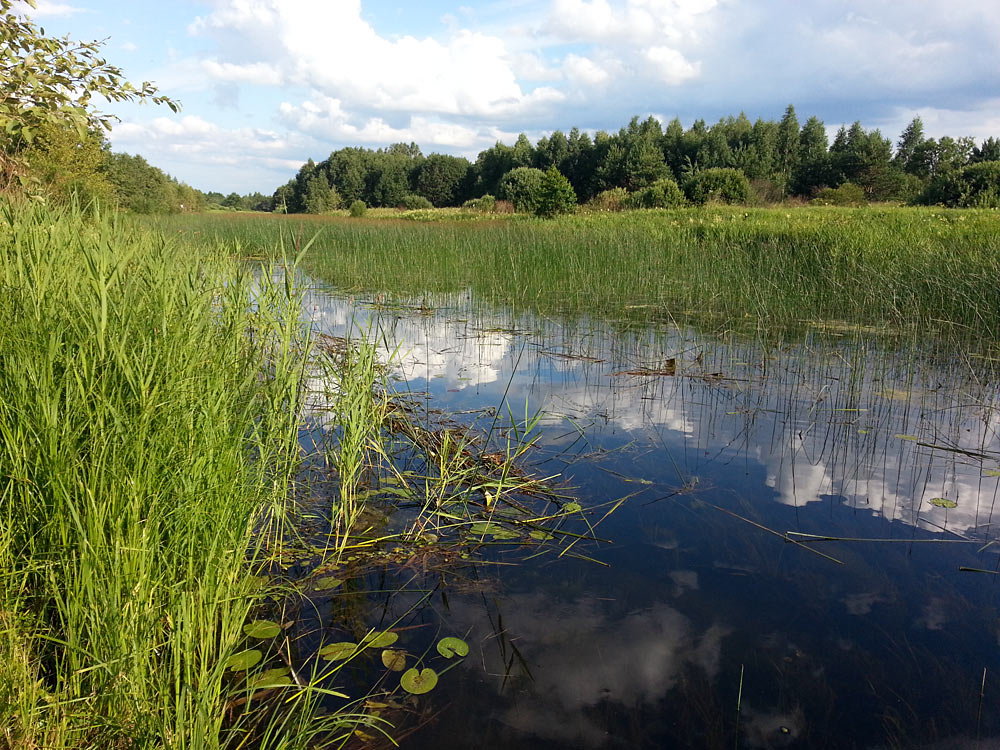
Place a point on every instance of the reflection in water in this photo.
(724, 445)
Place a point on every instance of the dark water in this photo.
(708, 620)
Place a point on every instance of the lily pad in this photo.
(394, 659)
(572, 507)
(278, 677)
(943, 502)
(906, 437)
(481, 528)
(450, 646)
(380, 640)
(338, 651)
(506, 534)
(542, 536)
(327, 583)
(992, 473)
(241, 661)
(262, 629)
(418, 682)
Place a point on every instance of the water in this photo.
(710, 619)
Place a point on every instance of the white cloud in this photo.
(631, 21)
(670, 65)
(330, 48)
(584, 71)
(262, 74)
(47, 9)
(128, 47)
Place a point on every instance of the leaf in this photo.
(943, 502)
(572, 507)
(451, 646)
(394, 659)
(906, 437)
(338, 651)
(481, 528)
(380, 640)
(327, 582)
(418, 682)
(241, 661)
(262, 629)
(992, 473)
(540, 535)
(506, 534)
(278, 677)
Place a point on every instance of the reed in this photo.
(149, 398)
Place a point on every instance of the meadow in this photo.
(914, 268)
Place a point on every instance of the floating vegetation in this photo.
(338, 651)
(943, 502)
(451, 646)
(262, 629)
(394, 659)
(417, 681)
(241, 661)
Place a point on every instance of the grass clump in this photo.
(149, 399)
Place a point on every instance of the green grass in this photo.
(899, 267)
(149, 396)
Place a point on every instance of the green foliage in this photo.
(49, 82)
(413, 202)
(718, 186)
(661, 194)
(68, 167)
(974, 186)
(320, 196)
(358, 209)
(520, 187)
(443, 180)
(486, 204)
(614, 199)
(555, 195)
(847, 194)
(144, 189)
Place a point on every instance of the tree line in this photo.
(778, 159)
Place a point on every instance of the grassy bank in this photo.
(906, 267)
(148, 399)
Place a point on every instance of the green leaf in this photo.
(906, 437)
(943, 502)
(992, 473)
(572, 507)
(278, 677)
(540, 535)
(394, 659)
(418, 682)
(262, 629)
(241, 661)
(326, 583)
(451, 646)
(379, 640)
(338, 651)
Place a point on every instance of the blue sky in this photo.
(266, 84)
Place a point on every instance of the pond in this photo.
(805, 553)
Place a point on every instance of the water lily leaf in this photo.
(506, 534)
(262, 629)
(863, 432)
(394, 659)
(481, 528)
(943, 502)
(450, 646)
(241, 661)
(572, 507)
(326, 583)
(418, 682)
(278, 677)
(338, 651)
(992, 473)
(543, 536)
(380, 640)
(906, 437)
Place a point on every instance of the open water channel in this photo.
(805, 557)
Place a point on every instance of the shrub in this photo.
(718, 185)
(974, 186)
(609, 200)
(555, 195)
(358, 208)
(847, 194)
(520, 187)
(486, 204)
(663, 193)
(414, 202)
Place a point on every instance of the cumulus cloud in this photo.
(47, 9)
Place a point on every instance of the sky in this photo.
(266, 84)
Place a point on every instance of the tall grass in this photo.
(892, 266)
(148, 401)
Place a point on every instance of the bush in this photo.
(486, 204)
(847, 194)
(520, 187)
(974, 186)
(555, 195)
(718, 185)
(663, 193)
(414, 202)
(609, 200)
(358, 208)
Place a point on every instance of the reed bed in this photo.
(910, 267)
(149, 399)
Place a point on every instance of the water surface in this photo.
(710, 618)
